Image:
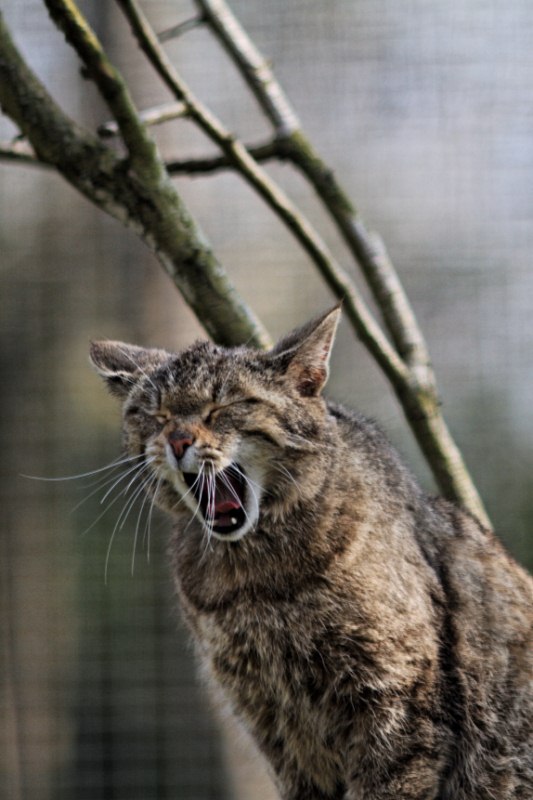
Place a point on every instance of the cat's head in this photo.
(221, 431)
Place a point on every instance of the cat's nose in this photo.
(179, 442)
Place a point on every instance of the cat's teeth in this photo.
(233, 520)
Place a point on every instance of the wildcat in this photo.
(375, 642)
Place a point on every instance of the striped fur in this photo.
(375, 642)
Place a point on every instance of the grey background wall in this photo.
(425, 111)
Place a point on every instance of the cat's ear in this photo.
(305, 352)
(121, 365)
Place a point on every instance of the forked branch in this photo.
(407, 364)
(274, 196)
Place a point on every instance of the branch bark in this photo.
(143, 199)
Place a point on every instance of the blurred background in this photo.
(425, 111)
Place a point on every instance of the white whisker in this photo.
(100, 485)
(210, 516)
(122, 517)
(191, 489)
(198, 480)
(109, 505)
(210, 502)
(113, 465)
(235, 467)
(250, 484)
(144, 487)
(131, 501)
(149, 520)
(99, 517)
(137, 470)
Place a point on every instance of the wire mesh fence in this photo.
(424, 110)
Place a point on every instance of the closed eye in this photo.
(213, 412)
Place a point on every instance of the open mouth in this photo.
(221, 497)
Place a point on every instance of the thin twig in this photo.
(208, 164)
(368, 250)
(150, 116)
(182, 27)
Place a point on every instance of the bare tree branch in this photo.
(214, 163)
(144, 156)
(149, 205)
(335, 276)
(137, 190)
(418, 392)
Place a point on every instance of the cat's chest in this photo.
(269, 670)
(266, 645)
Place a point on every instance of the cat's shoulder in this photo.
(350, 419)
(358, 430)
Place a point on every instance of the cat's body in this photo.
(375, 643)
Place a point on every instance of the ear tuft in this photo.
(121, 364)
(307, 351)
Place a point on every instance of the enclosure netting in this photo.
(424, 111)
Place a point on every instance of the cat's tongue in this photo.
(226, 496)
(225, 506)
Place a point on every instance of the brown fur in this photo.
(376, 643)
